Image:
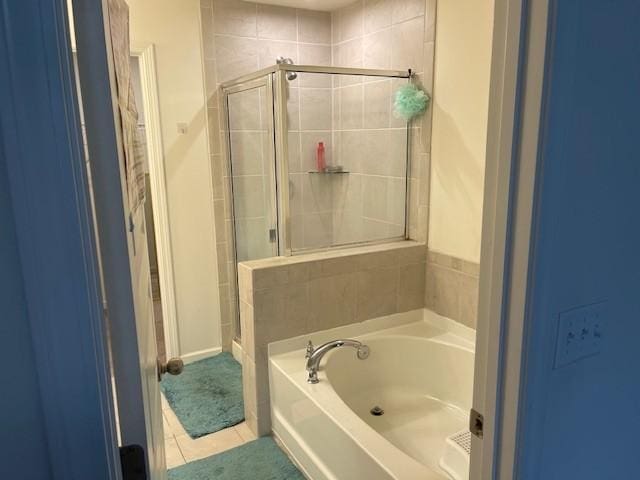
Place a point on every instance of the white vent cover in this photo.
(463, 439)
(456, 455)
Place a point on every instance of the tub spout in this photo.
(314, 355)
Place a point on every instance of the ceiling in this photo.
(326, 5)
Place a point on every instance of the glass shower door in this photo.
(252, 172)
(252, 155)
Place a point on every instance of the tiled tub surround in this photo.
(239, 37)
(288, 296)
(327, 427)
(451, 288)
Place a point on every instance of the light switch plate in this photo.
(580, 333)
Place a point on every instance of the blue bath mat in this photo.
(207, 396)
(257, 460)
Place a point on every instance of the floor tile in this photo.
(245, 432)
(168, 432)
(174, 424)
(208, 445)
(173, 453)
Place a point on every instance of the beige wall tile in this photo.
(332, 301)
(277, 23)
(377, 109)
(234, 17)
(247, 327)
(442, 290)
(280, 312)
(314, 55)
(270, 50)
(315, 109)
(235, 56)
(349, 54)
(376, 51)
(317, 194)
(249, 386)
(351, 21)
(411, 287)
(293, 107)
(378, 15)
(246, 151)
(318, 229)
(351, 107)
(264, 278)
(407, 45)
(469, 293)
(314, 27)
(377, 292)
(407, 9)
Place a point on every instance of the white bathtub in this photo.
(420, 372)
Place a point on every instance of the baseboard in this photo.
(200, 354)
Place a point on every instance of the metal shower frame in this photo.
(276, 82)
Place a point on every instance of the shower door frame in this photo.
(277, 74)
(265, 79)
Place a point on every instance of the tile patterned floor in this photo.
(180, 448)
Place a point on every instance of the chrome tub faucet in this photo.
(314, 354)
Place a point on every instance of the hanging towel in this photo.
(133, 154)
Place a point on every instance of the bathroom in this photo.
(390, 240)
(318, 320)
(319, 210)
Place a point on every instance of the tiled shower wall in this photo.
(368, 139)
(241, 37)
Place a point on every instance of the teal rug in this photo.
(261, 459)
(207, 396)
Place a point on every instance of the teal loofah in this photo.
(410, 102)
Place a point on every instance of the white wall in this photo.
(461, 97)
(174, 28)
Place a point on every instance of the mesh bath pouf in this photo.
(410, 102)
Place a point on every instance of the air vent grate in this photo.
(463, 440)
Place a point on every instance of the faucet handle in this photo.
(310, 349)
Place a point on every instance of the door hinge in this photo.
(133, 462)
(273, 235)
(476, 423)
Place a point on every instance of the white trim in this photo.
(237, 351)
(155, 154)
(201, 355)
(520, 30)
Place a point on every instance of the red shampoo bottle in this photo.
(320, 160)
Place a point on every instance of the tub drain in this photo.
(377, 411)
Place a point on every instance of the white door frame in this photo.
(515, 109)
(155, 155)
